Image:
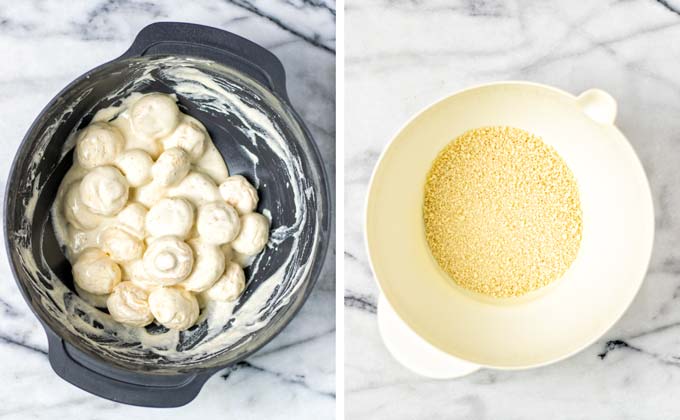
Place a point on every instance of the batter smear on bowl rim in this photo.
(502, 212)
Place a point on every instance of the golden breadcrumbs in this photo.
(502, 212)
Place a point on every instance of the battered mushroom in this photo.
(168, 260)
(253, 236)
(238, 192)
(230, 286)
(134, 271)
(136, 165)
(95, 272)
(199, 189)
(217, 223)
(154, 115)
(149, 194)
(171, 167)
(174, 307)
(98, 144)
(128, 304)
(132, 218)
(76, 212)
(104, 190)
(120, 245)
(208, 266)
(170, 216)
(189, 135)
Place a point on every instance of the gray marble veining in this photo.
(46, 44)
(403, 55)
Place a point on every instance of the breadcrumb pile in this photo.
(502, 212)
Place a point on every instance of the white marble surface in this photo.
(46, 44)
(403, 55)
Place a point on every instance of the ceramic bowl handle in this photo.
(175, 38)
(105, 381)
(415, 353)
(598, 105)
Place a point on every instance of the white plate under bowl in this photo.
(554, 322)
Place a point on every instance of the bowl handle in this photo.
(114, 384)
(415, 353)
(178, 38)
(598, 105)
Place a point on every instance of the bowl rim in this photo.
(370, 191)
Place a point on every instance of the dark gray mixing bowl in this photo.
(84, 347)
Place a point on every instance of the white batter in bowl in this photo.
(117, 157)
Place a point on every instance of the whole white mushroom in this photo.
(149, 194)
(230, 286)
(136, 165)
(196, 187)
(238, 192)
(76, 212)
(209, 265)
(217, 223)
(154, 115)
(174, 307)
(170, 216)
(132, 219)
(128, 304)
(190, 135)
(120, 245)
(171, 166)
(95, 272)
(104, 190)
(168, 260)
(135, 272)
(253, 236)
(98, 144)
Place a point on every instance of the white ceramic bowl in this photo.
(551, 323)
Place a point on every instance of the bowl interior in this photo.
(555, 321)
(258, 135)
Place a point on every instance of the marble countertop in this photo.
(45, 45)
(403, 55)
